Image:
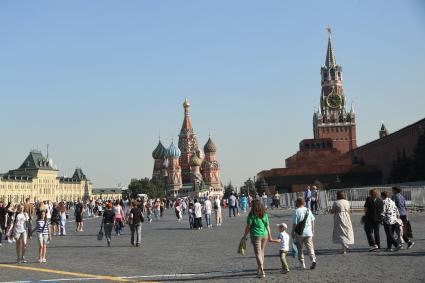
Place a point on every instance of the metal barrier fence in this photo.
(415, 197)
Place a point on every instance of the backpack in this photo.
(299, 228)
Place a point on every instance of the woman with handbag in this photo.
(258, 227)
(108, 222)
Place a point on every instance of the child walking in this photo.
(44, 235)
(283, 239)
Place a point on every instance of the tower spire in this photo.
(330, 56)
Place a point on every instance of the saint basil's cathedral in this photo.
(184, 169)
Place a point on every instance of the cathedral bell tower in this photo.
(188, 144)
(332, 120)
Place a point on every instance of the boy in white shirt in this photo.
(283, 239)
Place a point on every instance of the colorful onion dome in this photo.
(159, 151)
(195, 160)
(210, 146)
(173, 151)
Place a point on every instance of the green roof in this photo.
(36, 160)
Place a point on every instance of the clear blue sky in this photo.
(98, 80)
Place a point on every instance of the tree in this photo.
(261, 185)
(153, 189)
(228, 190)
(248, 188)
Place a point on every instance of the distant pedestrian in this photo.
(232, 205)
(178, 209)
(217, 210)
(264, 198)
(400, 202)
(244, 203)
(191, 213)
(29, 209)
(390, 216)
(198, 214)
(118, 217)
(343, 229)
(283, 240)
(55, 220)
(44, 235)
(314, 199)
(372, 220)
(258, 228)
(208, 212)
(303, 232)
(307, 197)
(108, 222)
(63, 217)
(2, 220)
(135, 221)
(79, 210)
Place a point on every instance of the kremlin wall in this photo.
(331, 158)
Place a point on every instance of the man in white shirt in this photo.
(232, 205)
(208, 212)
(198, 214)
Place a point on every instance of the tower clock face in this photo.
(334, 100)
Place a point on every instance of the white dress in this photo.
(343, 229)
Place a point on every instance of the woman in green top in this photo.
(258, 227)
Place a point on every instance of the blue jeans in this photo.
(208, 219)
(232, 209)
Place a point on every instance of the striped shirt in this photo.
(42, 227)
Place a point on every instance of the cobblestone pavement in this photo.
(172, 252)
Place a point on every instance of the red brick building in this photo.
(332, 156)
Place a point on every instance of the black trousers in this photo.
(404, 219)
(389, 231)
(198, 223)
(372, 232)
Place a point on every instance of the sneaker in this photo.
(398, 248)
(23, 260)
(410, 245)
(44, 260)
(1, 245)
(284, 271)
(9, 240)
(313, 265)
(390, 250)
(373, 248)
(40, 260)
(302, 264)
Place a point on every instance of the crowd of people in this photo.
(390, 212)
(16, 221)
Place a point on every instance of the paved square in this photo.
(172, 252)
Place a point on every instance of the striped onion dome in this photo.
(195, 160)
(173, 151)
(159, 151)
(210, 146)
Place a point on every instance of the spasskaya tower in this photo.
(332, 120)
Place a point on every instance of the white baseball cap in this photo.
(282, 225)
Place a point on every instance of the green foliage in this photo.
(248, 188)
(228, 189)
(154, 189)
(261, 185)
